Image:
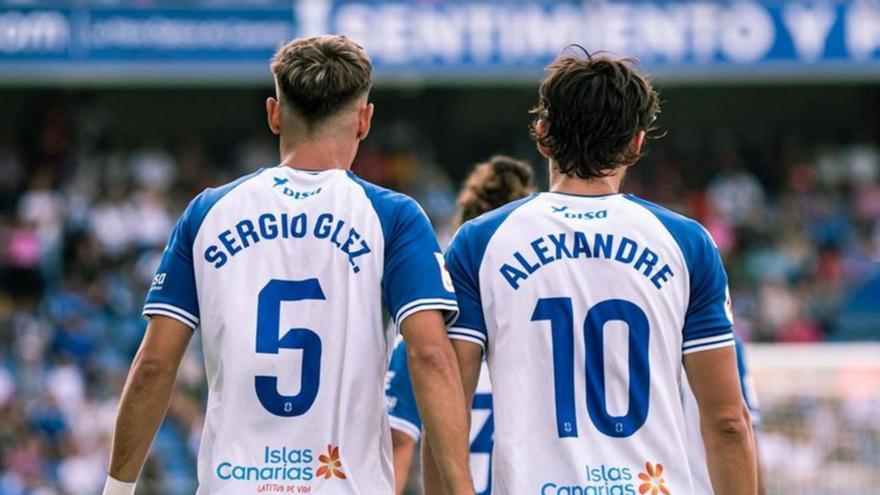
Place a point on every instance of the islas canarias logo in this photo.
(613, 479)
(286, 469)
(653, 481)
(331, 465)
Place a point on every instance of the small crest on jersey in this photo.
(444, 273)
(158, 281)
(281, 184)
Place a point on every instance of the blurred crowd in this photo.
(84, 218)
(820, 446)
(803, 253)
(820, 426)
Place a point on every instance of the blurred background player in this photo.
(590, 305)
(491, 184)
(299, 257)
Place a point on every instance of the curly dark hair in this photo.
(591, 107)
(493, 183)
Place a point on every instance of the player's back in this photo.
(289, 269)
(586, 306)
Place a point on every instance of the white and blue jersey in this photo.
(702, 482)
(285, 272)
(585, 307)
(404, 416)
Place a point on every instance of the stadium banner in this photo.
(445, 41)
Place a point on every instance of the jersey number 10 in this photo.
(559, 312)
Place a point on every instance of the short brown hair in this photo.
(592, 106)
(318, 76)
(493, 183)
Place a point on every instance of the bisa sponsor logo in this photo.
(570, 214)
(281, 185)
(613, 480)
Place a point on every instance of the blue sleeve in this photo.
(708, 322)
(173, 291)
(403, 415)
(415, 277)
(463, 263)
(746, 382)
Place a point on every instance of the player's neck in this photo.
(562, 183)
(317, 155)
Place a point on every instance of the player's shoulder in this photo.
(678, 224)
(687, 232)
(479, 231)
(206, 200)
(390, 205)
(382, 195)
(469, 245)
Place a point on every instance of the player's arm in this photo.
(404, 448)
(762, 490)
(468, 331)
(749, 394)
(403, 416)
(173, 307)
(438, 390)
(420, 295)
(710, 361)
(470, 361)
(469, 358)
(431, 481)
(724, 421)
(145, 400)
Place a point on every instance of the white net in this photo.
(820, 417)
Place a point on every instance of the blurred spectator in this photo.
(736, 194)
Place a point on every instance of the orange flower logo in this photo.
(653, 480)
(330, 464)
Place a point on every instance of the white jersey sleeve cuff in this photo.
(707, 343)
(405, 427)
(449, 307)
(468, 335)
(171, 311)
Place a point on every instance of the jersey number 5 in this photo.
(268, 342)
(559, 312)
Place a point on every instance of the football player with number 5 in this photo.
(285, 272)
